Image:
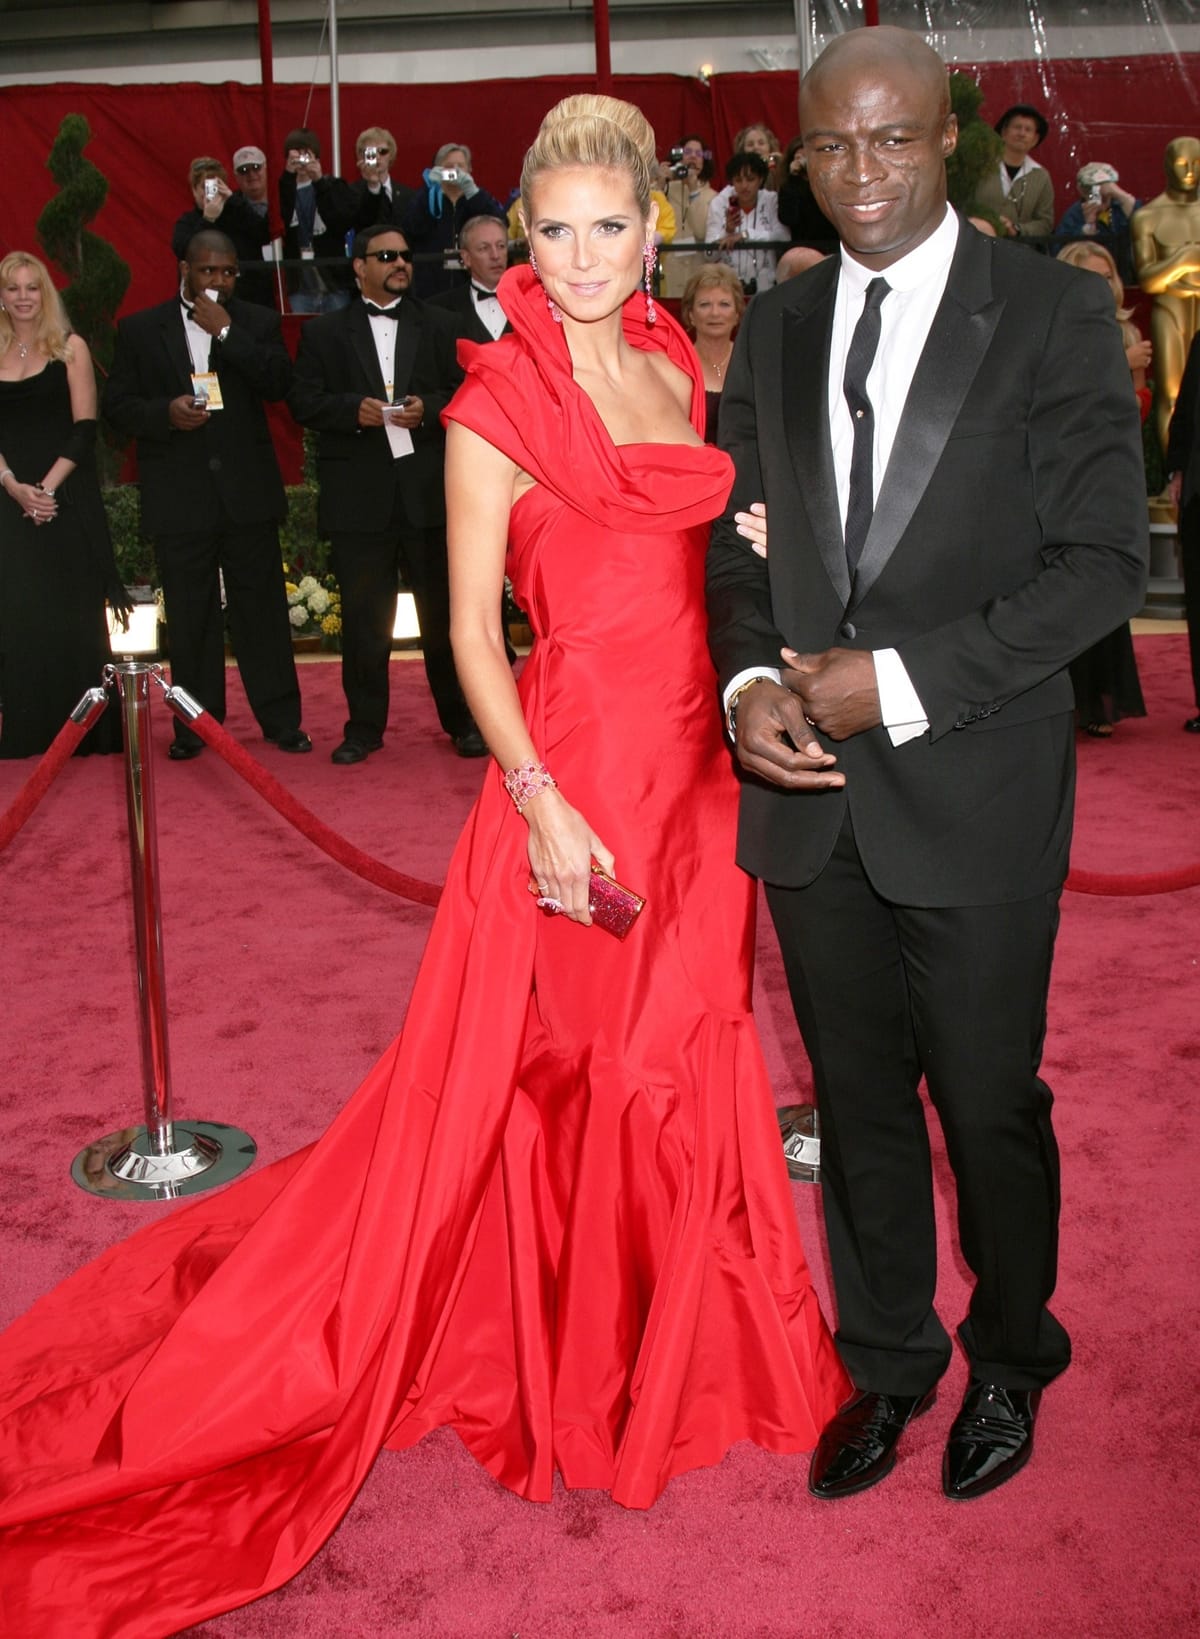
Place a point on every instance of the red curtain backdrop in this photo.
(144, 136)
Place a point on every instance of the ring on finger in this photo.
(554, 906)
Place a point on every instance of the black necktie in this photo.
(859, 359)
(382, 312)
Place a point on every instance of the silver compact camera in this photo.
(212, 189)
(371, 156)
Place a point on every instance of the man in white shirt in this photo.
(943, 433)
(483, 250)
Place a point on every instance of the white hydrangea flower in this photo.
(298, 615)
(318, 601)
(308, 585)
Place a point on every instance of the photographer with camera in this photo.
(378, 196)
(1102, 212)
(317, 211)
(685, 180)
(435, 215)
(218, 206)
(742, 216)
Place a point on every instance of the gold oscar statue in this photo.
(1166, 255)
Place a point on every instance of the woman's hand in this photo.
(562, 846)
(1139, 355)
(753, 526)
(33, 501)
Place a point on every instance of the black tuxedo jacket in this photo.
(1185, 426)
(336, 368)
(226, 469)
(1009, 534)
(462, 304)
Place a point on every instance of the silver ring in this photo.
(554, 906)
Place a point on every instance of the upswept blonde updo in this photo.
(597, 132)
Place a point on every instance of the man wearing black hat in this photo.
(1020, 191)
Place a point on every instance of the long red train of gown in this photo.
(555, 1215)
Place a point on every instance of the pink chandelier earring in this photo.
(555, 310)
(650, 262)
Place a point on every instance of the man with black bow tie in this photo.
(943, 433)
(372, 382)
(483, 250)
(188, 381)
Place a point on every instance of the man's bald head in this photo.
(886, 50)
(877, 128)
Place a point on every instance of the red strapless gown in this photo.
(556, 1214)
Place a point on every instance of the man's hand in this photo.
(837, 690)
(409, 414)
(209, 315)
(183, 414)
(371, 412)
(775, 742)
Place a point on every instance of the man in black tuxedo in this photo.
(377, 197)
(1183, 465)
(372, 381)
(483, 250)
(188, 381)
(943, 432)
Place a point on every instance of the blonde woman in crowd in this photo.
(56, 559)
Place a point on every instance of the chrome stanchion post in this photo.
(164, 1158)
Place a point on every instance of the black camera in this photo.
(749, 287)
(675, 165)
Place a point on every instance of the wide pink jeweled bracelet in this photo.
(526, 781)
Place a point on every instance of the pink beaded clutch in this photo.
(613, 907)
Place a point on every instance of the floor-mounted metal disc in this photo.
(125, 1166)
(800, 1129)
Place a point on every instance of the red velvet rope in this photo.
(306, 822)
(1148, 882)
(40, 781)
(411, 887)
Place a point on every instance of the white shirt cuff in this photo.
(736, 682)
(899, 704)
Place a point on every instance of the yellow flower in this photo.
(331, 625)
(290, 587)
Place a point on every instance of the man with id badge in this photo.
(188, 382)
(372, 382)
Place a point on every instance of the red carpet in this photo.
(286, 977)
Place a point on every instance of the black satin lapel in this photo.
(408, 334)
(175, 342)
(364, 346)
(958, 340)
(805, 365)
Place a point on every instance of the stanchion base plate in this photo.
(125, 1167)
(800, 1129)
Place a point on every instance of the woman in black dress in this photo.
(711, 311)
(56, 559)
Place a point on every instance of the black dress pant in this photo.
(1189, 551)
(248, 557)
(883, 994)
(369, 565)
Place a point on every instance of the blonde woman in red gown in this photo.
(555, 1216)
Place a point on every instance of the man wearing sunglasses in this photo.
(371, 381)
(217, 205)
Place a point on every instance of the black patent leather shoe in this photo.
(991, 1439)
(1192, 726)
(182, 751)
(858, 1447)
(470, 743)
(292, 739)
(353, 751)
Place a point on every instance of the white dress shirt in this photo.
(383, 334)
(198, 340)
(487, 305)
(917, 283)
